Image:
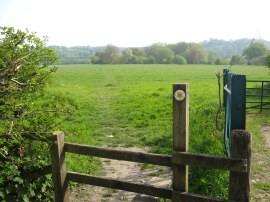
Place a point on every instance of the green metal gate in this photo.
(258, 94)
(234, 99)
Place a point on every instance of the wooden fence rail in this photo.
(140, 157)
(238, 164)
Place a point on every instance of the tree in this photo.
(195, 54)
(179, 48)
(178, 59)
(95, 59)
(161, 53)
(111, 55)
(26, 110)
(237, 59)
(267, 60)
(126, 56)
(212, 57)
(256, 50)
(139, 52)
(149, 60)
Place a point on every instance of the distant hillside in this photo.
(228, 49)
(76, 54)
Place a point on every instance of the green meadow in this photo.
(131, 105)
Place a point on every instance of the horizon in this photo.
(137, 23)
(232, 40)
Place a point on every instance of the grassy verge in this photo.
(260, 160)
(131, 105)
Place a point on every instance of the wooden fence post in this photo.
(180, 136)
(239, 184)
(59, 170)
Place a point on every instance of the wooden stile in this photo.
(238, 165)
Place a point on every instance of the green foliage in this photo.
(26, 110)
(217, 52)
(15, 188)
(267, 60)
(256, 50)
(94, 59)
(254, 55)
(111, 55)
(156, 53)
(236, 60)
(161, 53)
(196, 54)
(178, 59)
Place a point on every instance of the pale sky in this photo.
(135, 23)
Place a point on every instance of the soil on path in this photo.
(126, 171)
(260, 163)
(161, 176)
(266, 133)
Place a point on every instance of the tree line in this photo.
(180, 53)
(212, 51)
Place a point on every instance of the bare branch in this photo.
(19, 83)
(219, 75)
(243, 54)
(46, 111)
(10, 129)
(5, 157)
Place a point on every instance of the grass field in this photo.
(131, 105)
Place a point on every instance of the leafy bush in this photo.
(178, 59)
(26, 111)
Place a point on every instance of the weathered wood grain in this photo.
(180, 136)
(141, 157)
(209, 161)
(59, 170)
(117, 184)
(239, 183)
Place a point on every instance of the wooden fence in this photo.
(238, 164)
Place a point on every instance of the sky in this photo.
(137, 23)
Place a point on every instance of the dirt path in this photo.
(260, 173)
(266, 133)
(127, 171)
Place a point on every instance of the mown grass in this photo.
(131, 105)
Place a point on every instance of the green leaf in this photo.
(26, 198)
(2, 195)
(18, 179)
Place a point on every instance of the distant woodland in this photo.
(212, 51)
